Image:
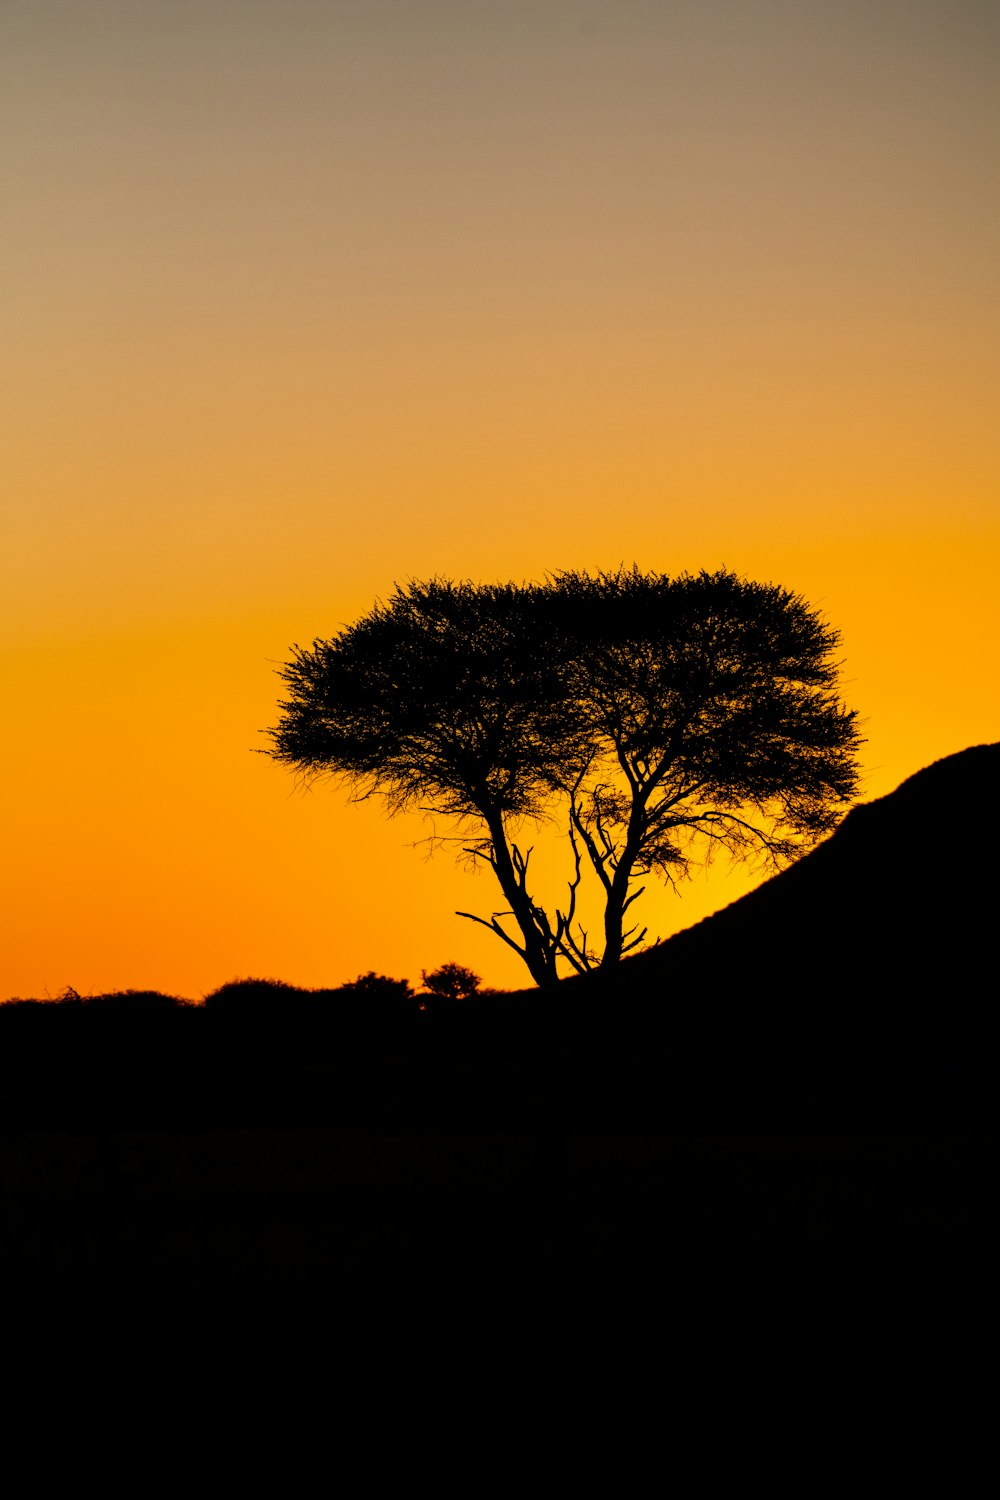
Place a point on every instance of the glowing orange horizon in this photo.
(329, 299)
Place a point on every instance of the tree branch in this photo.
(494, 926)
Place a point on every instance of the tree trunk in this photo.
(614, 909)
(614, 921)
(539, 955)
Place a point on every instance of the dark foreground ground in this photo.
(498, 1164)
(357, 1213)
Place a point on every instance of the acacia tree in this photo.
(667, 718)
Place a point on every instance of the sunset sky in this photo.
(302, 298)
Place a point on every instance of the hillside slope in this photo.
(902, 895)
(859, 984)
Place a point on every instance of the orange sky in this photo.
(305, 298)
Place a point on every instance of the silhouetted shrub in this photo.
(133, 1003)
(125, 1001)
(373, 1011)
(376, 1009)
(252, 997)
(378, 987)
(451, 982)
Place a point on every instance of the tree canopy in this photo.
(664, 719)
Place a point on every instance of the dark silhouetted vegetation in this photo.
(662, 720)
(451, 982)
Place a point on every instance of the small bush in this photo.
(248, 997)
(377, 987)
(451, 982)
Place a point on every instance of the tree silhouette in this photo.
(668, 718)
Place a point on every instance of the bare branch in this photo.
(634, 896)
(494, 926)
(636, 942)
(596, 859)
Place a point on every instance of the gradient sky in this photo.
(303, 297)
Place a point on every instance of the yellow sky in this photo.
(305, 298)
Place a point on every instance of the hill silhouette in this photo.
(855, 986)
(902, 894)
